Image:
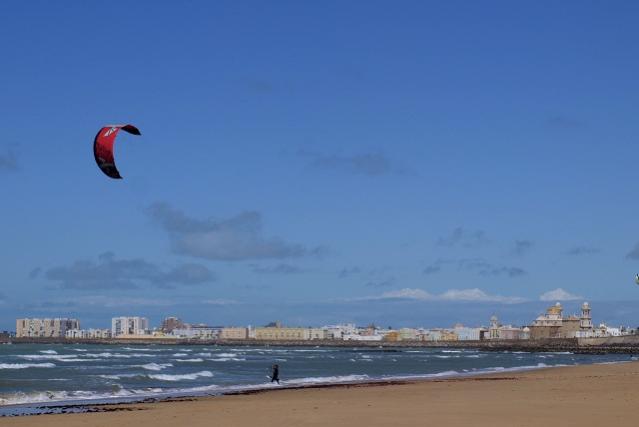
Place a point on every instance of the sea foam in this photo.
(25, 365)
(168, 377)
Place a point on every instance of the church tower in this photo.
(585, 322)
(493, 331)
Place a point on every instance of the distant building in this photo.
(467, 334)
(125, 325)
(338, 332)
(430, 335)
(585, 323)
(284, 334)
(554, 325)
(392, 336)
(88, 333)
(316, 334)
(200, 333)
(170, 323)
(45, 328)
(497, 331)
(603, 331)
(234, 333)
(448, 335)
(408, 334)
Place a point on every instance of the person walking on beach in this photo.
(275, 374)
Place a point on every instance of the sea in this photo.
(42, 378)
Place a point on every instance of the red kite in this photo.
(103, 148)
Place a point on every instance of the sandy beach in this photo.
(593, 395)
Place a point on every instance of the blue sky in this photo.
(411, 163)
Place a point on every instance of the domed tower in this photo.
(493, 321)
(493, 331)
(585, 322)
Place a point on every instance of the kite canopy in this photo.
(103, 148)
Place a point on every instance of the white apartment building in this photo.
(88, 333)
(337, 332)
(125, 325)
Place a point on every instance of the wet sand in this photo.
(592, 395)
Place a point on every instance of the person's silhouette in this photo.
(275, 374)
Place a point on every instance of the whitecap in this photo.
(26, 365)
(155, 366)
(167, 377)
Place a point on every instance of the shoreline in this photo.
(108, 404)
(613, 345)
(584, 395)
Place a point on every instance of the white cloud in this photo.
(476, 294)
(559, 295)
(465, 295)
(220, 301)
(406, 293)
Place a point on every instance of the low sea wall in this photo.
(623, 341)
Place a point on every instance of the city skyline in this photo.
(172, 321)
(467, 162)
(554, 323)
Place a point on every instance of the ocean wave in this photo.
(155, 366)
(109, 355)
(26, 365)
(132, 395)
(228, 359)
(48, 352)
(326, 380)
(67, 358)
(194, 360)
(178, 377)
(59, 396)
(226, 355)
(46, 356)
(111, 377)
(179, 354)
(203, 354)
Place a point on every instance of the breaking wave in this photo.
(26, 365)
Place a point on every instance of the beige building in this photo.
(234, 333)
(288, 334)
(554, 325)
(45, 328)
(497, 331)
(448, 335)
(316, 334)
(408, 334)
